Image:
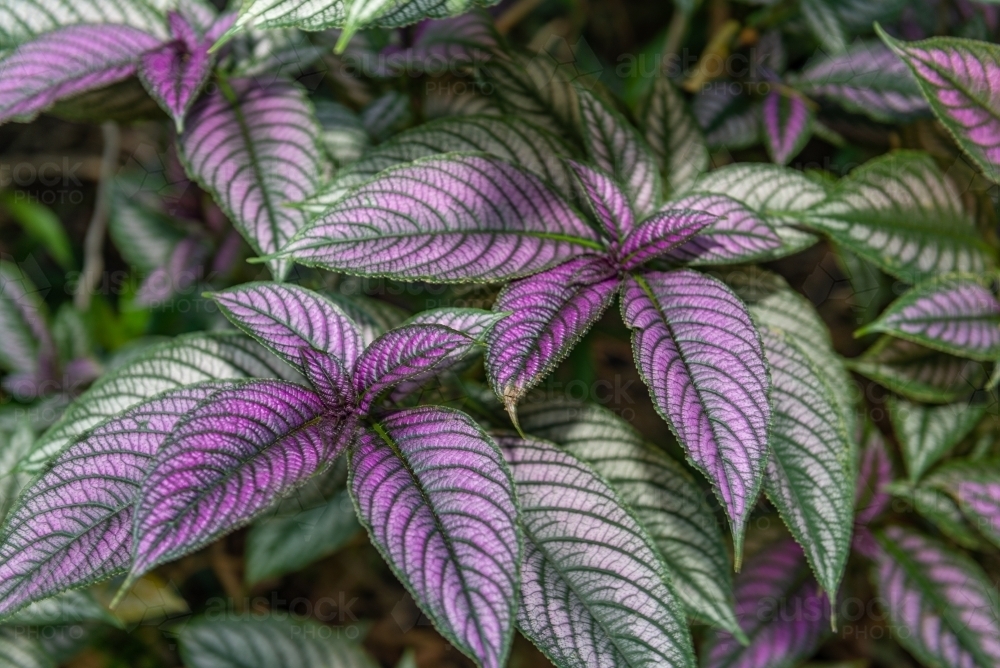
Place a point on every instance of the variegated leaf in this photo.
(255, 147)
(975, 486)
(23, 325)
(509, 138)
(610, 204)
(663, 496)
(617, 149)
(73, 524)
(787, 123)
(919, 373)
(739, 235)
(660, 234)
(451, 218)
(674, 136)
(409, 353)
(287, 318)
(955, 314)
(700, 355)
(868, 79)
(185, 360)
(776, 579)
(227, 461)
(438, 501)
(24, 20)
(593, 589)
(287, 543)
(266, 643)
(902, 214)
(780, 195)
(351, 16)
(810, 475)
(959, 77)
(928, 433)
(549, 313)
(941, 510)
(67, 62)
(537, 89)
(939, 602)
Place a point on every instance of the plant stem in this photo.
(93, 243)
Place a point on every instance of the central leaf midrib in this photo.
(452, 552)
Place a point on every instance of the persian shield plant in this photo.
(400, 334)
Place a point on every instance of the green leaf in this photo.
(289, 542)
(268, 643)
(900, 212)
(662, 494)
(811, 472)
(928, 433)
(674, 136)
(42, 224)
(23, 20)
(18, 650)
(350, 15)
(918, 373)
(69, 607)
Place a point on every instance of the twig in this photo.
(515, 14)
(93, 243)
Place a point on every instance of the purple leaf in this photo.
(181, 270)
(594, 591)
(287, 318)
(329, 378)
(256, 148)
(463, 41)
(185, 360)
(618, 149)
(175, 72)
(975, 485)
(780, 609)
(661, 233)
(438, 502)
(665, 498)
(404, 354)
(739, 234)
(874, 474)
(67, 62)
(927, 433)
(510, 138)
(73, 524)
(868, 79)
(810, 474)
(940, 602)
(549, 313)
(697, 350)
(451, 218)
(961, 80)
(787, 126)
(606, 199)
(226, 462)
(954, 314)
